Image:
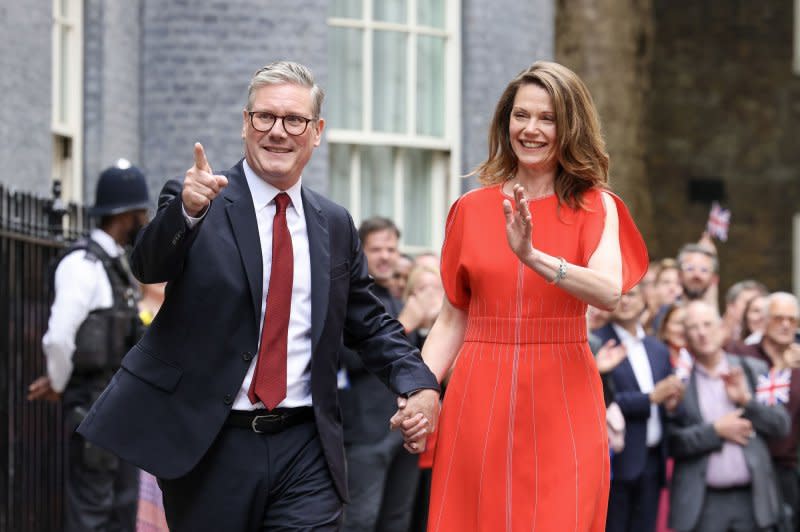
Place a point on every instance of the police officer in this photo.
(93, 322)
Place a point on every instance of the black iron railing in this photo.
(32, 232)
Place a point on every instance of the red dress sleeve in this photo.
(633, 250)
(455, 277)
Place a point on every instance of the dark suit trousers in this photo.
(249, 482)
(633, 504)
(728, 511)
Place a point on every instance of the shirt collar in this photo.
(625, 336)
(720, 369)
(106, 242)
(263, 193)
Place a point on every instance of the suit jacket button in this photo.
(228, 399)
(247, 356)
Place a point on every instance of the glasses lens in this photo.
(262, 121)
(294, 125)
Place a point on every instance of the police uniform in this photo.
(93, 322)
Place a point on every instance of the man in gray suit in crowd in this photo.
(723, 478)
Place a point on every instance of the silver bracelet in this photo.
(561, 273)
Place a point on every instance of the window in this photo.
(68, 96)
(393, 112)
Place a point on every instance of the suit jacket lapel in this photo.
(319, 251)
(244, 226)
(691, 401)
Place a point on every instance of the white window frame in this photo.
(67, 108)
(446, 178)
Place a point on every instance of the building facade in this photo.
(698, 101)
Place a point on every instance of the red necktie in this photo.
(269, 380)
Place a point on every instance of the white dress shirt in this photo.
(298, 380)
(81, 286)
(637, 356)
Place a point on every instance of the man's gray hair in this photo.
(748, 284)
(286, 72)
(780, 296)
(697, 248)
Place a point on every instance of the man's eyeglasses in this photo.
(688, 268)
(292, 124)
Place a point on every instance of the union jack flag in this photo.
(719, 220)
(773, 388)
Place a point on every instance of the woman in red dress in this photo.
(522, 442)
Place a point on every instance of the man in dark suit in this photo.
(230, 398)
(643, 384)
(723, 478)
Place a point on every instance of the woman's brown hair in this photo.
(580, 151)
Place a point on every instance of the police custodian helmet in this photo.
(120, 188)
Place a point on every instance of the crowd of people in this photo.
(709, 397)
(298, 362)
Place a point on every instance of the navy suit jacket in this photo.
(163, 409)
(635, 406)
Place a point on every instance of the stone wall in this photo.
(26, 144)
(609, 46)
(725, 104)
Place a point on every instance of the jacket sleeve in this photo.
(378, 338)
(768, 421)
(634, 404)
(161, 247)
(686, 439)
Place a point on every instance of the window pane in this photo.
(344, 109)
(417, 200)
(430, 85)
(340, 173)
(390, 10)
(377, 182)
(389, 82)
(65, 12)
(345, 8)
(431, 13)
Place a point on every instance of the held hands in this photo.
(519, 225)
(416, 418)
(733, 427)
(41, 389)
(200, 185)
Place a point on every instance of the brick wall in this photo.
(112, 36)
(25, 95)
(499, 39)
(197, 60)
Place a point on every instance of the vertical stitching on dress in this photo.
(533, 423)
(455, 440)
(517, 323)
(489, 423)
(562, 347)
